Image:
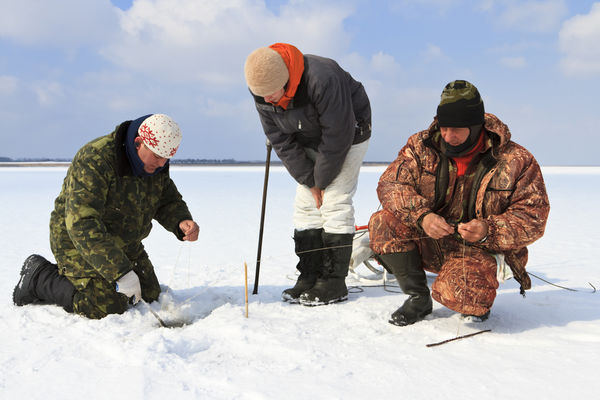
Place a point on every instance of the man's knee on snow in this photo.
(99, 299)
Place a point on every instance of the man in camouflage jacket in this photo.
(116, 185)
(460, 200)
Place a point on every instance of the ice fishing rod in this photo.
(262, 216)
(160, 321)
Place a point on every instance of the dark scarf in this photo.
(463, 148)
(137, 166)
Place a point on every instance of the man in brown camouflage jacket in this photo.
(116, 185)
(461, 200)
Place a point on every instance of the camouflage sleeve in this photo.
(397, 188)
(524, 220)
(86, 193)
(172, 209)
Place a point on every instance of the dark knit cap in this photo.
(460, 105)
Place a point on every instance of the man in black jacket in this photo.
(318, 119)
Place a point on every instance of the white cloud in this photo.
(8, 85)
(414, 8)
(529, 16)
(207, 41)
(433, 53)
(48, 93)
(379, 70)
(384, 63)
(514, 62)
(578, 40)
(58, 23)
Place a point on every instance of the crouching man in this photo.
(460, 196)
(116, 185)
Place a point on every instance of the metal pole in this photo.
(262, 216)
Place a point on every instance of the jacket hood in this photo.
(498, 131)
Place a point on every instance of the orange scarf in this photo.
(463, 162)
(294, 61)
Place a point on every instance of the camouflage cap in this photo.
(460, 105)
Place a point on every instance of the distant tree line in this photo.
(42, 159)
(184, 161)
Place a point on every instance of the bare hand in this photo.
(474, 230)
(190, 229)
(317, 195)
(436, 226)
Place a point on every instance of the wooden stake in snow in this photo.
(457, 338)
(246, 285)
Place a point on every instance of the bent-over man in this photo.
(318, 119)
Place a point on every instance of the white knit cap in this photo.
(161, 135)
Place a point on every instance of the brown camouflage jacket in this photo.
(508, 190)
(104, 211)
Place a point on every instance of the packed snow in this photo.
(544, 346)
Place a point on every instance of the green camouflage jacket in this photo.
(103, 211)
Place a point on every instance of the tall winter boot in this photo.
(308, 246)
(41, 283)
(411, 279)
(331, 285)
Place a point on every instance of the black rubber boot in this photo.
(411, 279)
(40, 283)
(308, 246)
(331, 285)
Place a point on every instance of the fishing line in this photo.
(174, 267)
(464, 297)
(562, 287)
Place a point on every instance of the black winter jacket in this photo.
(329, 113)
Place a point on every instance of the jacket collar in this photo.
(498, 134)
(122, 160)
(123, 167)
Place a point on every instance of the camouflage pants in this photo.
(96, 298)
(466, 280)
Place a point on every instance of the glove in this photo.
(129, 285)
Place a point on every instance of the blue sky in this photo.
(71, 70)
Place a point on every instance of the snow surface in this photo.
(544, 346)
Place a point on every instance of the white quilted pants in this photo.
(336, 214)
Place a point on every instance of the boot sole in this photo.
(289, 299)
(313, 303)
(25, 300)
(19, 286)
(420, 317)
(475, 318)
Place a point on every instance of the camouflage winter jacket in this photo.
(103, 211)
(508, 190)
